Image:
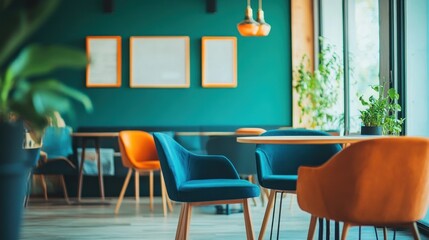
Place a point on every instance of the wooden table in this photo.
(85, 137)
(344, 140)
(306, 139)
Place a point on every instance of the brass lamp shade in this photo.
(264, 28)
(248, 27)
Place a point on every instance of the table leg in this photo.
(100, 169)
(82, 160)
(337, 230)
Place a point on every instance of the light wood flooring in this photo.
(57, 220)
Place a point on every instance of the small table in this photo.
(94, 136)
(344, 140)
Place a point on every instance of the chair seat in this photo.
(280, 182)
(216, 189)
(147, 165)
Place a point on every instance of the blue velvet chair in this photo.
(201, 180)
(277, 165)
(56, 148)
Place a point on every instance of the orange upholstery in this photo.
(139, 154)
(383, 182)
(250, 131)
(138, 150)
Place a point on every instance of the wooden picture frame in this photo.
(219, 62)
(105, 56)
(159, 62)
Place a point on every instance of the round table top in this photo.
(306, 139)
(95, 134)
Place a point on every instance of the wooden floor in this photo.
(57, 220)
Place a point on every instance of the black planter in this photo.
(364, 130)
(14, 171)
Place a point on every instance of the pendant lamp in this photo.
(264, 28)
(248, 27)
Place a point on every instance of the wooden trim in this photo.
(302, 39)
(118, 61)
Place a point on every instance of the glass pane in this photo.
(364, 55)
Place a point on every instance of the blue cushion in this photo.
(280, 182)
(217, 189)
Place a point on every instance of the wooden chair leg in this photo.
(312, 227)
(415, 231)
(250, 179)
(151, 190)
(44, 187)
(248, 221)
(267, 214)
(124, 187)
(137, 185)
(163, 195)
(346, 227)
(63, 184)
(188, 221)
(180, 222)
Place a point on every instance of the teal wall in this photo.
(263, 95)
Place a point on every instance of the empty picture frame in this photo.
(104, 68)
(219, 62)
(159, 62)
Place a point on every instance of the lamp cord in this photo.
(260, 5)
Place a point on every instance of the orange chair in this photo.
(381, 182)
(139, 153)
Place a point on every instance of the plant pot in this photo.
(14, 171)
(364, 130)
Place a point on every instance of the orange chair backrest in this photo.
(136, 146)
(250, 131)
(382, 181)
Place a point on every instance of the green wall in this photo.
(263, 94)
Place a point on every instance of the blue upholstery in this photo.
(278, 164)
(199, 178)
(57, 144)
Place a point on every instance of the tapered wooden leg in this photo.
(44, 187)
(267, 214)
(124, 187)
(63, 184)
(151, 190)
(346, 227)
(312, 227)
(169, 204)
(137, 185)
(248, 221)
(385, 233)
(163, 195)
(180, 222)
(415, 231)
(250, 179)
(188, 221)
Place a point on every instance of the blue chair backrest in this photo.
(174, 161)
(57, 142)
(285, 159)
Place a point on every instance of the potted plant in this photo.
(29, 95)
(318, 90)
(379, 115)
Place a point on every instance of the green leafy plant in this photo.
(380, 111)
(27, 90)
(318, 90)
